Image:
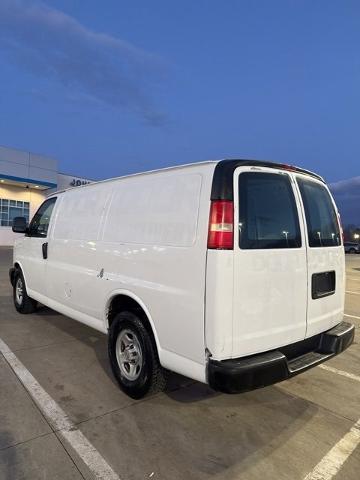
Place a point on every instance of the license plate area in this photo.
(323, 284)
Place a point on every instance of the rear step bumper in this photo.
(247, 373)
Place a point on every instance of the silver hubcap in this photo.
(19, 291)
(129, 354)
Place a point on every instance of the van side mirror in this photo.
(19, 225)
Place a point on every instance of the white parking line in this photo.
(58, 419)
(354, 293)
(351, 316)
(340, 372)
(331, 463)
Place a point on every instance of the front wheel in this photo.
(133, 356)
(23, 303)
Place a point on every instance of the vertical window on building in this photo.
(9, 209)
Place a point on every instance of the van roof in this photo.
(138, 174)
(222, 182)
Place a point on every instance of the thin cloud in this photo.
(345, 187)
(51, 44)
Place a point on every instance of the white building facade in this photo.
(25, 181)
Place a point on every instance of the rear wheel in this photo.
(133, 356)
(23, 303)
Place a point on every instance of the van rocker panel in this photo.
(256, 371)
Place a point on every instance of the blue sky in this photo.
(115, 87)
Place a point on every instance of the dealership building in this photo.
(26, 179)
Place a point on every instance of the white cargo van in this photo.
(228, 272)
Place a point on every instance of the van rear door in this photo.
(270, 265)
(326, 258)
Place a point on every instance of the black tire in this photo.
(352, 250)
(23, 303)
(150, 376)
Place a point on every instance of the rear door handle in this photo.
(44, 247)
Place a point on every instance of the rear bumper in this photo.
(247, 373)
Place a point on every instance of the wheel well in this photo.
(121, 303)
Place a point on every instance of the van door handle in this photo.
(44, 247)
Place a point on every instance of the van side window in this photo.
(268, 215)
(321, 218)
(40, 223)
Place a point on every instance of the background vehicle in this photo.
(230, 272)
(351, 247)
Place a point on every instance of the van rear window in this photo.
(321, 218)
(267, 212)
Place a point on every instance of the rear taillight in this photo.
(221, 225)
